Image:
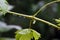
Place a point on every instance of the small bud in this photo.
(34, 21)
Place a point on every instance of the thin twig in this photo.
(20, 14)
(41, 20)
(30, 24)
(45, 7)
(35, 18)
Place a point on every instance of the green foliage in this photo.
(58, 21)
(3, 6)
(27, 34)
(36, 35)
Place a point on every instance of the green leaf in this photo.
(17, 36)
(24, 37)
(57, 20)
(27, 34)
(36, 35)
(3, 6)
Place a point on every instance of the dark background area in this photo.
(50, 13)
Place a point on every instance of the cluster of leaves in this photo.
(58, 21)
(27, 34)
(3, 6)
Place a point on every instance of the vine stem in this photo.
(45, 7)
(35, 18)
(30, 24)
(42, 9)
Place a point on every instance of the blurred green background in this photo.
(29, 7)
